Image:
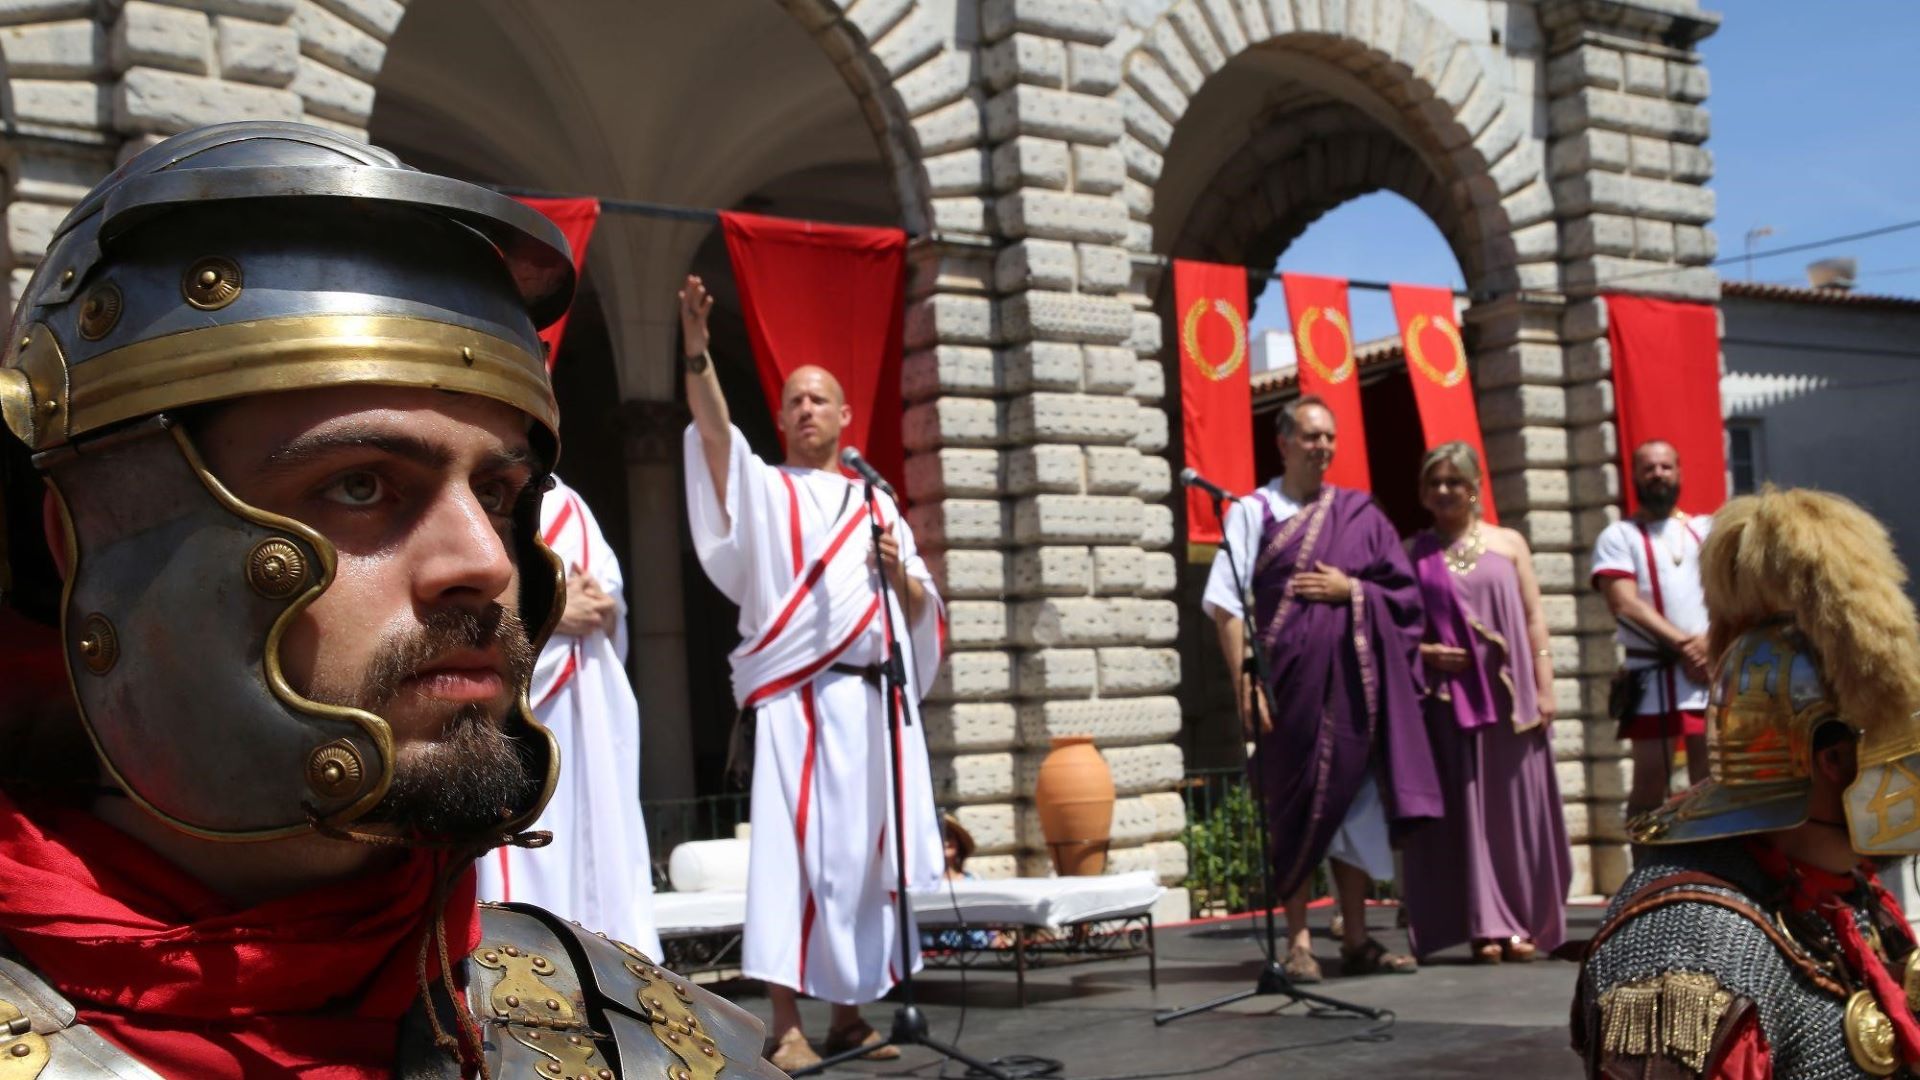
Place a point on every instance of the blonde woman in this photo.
(1495, 870)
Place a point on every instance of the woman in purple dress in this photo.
(1495, 870)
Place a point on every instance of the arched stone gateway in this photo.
(1039, 149)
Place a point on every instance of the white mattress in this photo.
(1049, 902)
(680, 914)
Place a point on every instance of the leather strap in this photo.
(869, 672)
(1690, 886)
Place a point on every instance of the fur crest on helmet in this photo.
(1830, 565)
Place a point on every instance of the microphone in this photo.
(1190, 477)
(851, 459)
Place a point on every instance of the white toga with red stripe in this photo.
(597, 871)
(792, 548)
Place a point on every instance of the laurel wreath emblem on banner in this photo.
(1190, 337)
(1344, 369)
(1457, 370)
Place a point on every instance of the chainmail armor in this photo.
(1802, 1024)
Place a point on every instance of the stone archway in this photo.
(1271, 91)
(1246, 122)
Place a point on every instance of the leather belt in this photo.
(869, 672)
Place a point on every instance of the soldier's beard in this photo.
(474, 775)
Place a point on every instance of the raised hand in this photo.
(695, 305)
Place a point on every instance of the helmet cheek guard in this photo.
(220, 264)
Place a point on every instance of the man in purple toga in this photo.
(1338, 612)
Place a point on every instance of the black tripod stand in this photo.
(909, 1023)
(1273, 977)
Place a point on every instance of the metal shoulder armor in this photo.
(556, 1000)
(40, 1038)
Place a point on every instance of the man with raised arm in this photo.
(791, 544)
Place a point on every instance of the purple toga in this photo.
(1498, 865)
(1346, 695)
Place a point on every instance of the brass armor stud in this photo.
(1910, 980)
(276, 569)
(99, 644)
(100, 311)
(1870, 1036)
(334, 769)
(211, 283)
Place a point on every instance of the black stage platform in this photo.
(1454, 1018)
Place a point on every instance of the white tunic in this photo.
(598, 870)
(1663, 559)
(792, 548)
(1362, 840)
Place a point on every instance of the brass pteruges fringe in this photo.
(1674, 1015)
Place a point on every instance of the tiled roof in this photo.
(1799, 294)
(1270, 383)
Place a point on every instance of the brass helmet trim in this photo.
(243, 359)
(1768, 700)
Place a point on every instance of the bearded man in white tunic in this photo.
(598, 870)
(792, 545)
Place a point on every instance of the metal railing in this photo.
(1222, 839)
(1223, 846)
(672, 822)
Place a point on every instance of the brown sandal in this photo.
(860, 1034)
(790, 1052)
(1486, 951)
(1519, 950)
(1373, 958)
(1301, 967)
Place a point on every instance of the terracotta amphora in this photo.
(1074, 794)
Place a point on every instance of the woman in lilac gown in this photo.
(1495, 870)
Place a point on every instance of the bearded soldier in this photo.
(279, 432)
(1756, 939)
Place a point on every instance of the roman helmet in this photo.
(1812, 628)
(234, 260)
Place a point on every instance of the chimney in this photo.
(1835, 274)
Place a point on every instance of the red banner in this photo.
(1437, 367)
(576, 218)
(1216, 388)
(833, 296)
(1666, 385)
(1323, 345)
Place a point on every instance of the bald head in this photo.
(811, 376)
(813, 410)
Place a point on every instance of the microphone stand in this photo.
(909, 1023)
(1273, 978)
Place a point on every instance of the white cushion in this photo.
(709, 866)
(1049, 902)
(683, 914)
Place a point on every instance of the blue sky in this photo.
(1816, 133)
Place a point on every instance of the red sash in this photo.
(312, 985)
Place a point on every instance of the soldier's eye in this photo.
(356, 489)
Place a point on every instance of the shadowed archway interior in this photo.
(713, 105)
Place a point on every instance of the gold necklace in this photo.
(1464, 554)
(1672, 553)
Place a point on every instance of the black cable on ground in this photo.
(1375, 1032)
(960, 1025)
